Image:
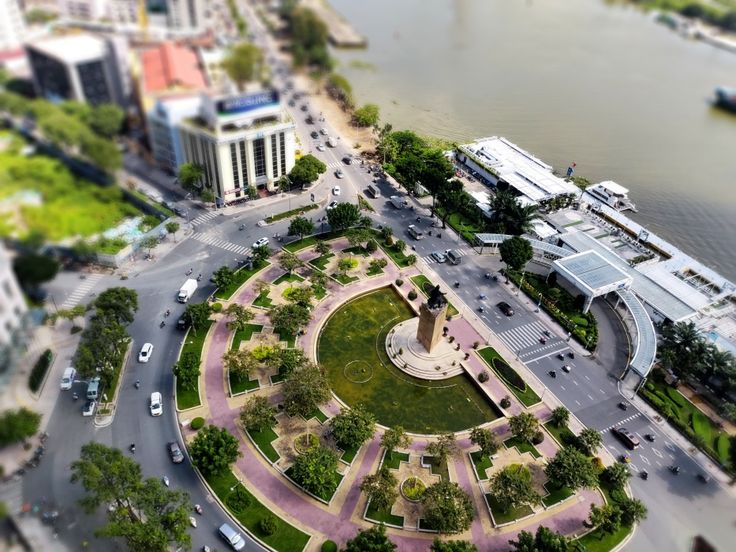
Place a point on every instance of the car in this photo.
(336, 189)
(338, 174)
(320, 147)
(67, 380)
(146, 351)
(332, 205)
(505, 308)
(175, 452)
(183, 322)
(628, 438)
(566, 368)
(348, 160)
(323, 131)
(304, 107)
(156, 406)
(314, 134)
(439, 257)
(232, 537)
(292, 103)
(260, 242)
(89, 408)
(180, 212)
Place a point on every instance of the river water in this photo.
(595, 82)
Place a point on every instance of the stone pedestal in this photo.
(431, 321)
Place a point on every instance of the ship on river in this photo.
(726, 98)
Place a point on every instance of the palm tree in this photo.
(714, 362)
(682, 346)
(519, 218)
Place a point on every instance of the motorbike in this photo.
(488, 275)
(457, 284)
(198, 509)
(543, 340)
(703, 478)
(649, 437)
(163, 323)
(137, 384)
(165, 480)
(560, 356)
(674, 469)
(132, 448)
(241, 227)
(571, 354)
(199, 277)
(190, 271)
(552, 374)
(644, 475)
(482, 296)
(167, 313)
(547, 333)
(480, 309)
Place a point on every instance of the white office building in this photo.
(186, 14)
(13, 310)
(84, 10)
(163, 128)
(240, 140)
(12, 25)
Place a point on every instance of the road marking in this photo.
(602, 391)
(81, 291)
(658, 463)
(577, 402)
(575, 382)
(645, 460)
(587, 378)
(657, 453)
(563, 387)
(590, 397)
(633, 467)
(203, 218)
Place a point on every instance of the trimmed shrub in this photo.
(412, 295)
(216, 307)
(267, 525)
(598, 463)
(538, 437)
(618, 495)
(676, 397)
(483, 376)
(40, 369)
(329, 546)
(509, 374)
(197, 423)
(371, 246)
(238, 500)
(505, 402)
(399, 282)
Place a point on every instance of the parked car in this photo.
(68, 378)
(304, 107)
(175, 452)
(323, 131)
(566, 368)
(260, 242)
(183, 322)
(336, 189)
(156, 405)
(332, 205)
(146, 352)
(505, 308)
(89, 408)
(314, 134)
(439, 257)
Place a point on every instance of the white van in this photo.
(372, 190)
(93, 389)
(233, 538)
(68, 378)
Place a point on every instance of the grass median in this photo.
(509, 376)
(188, 397)
(241, 276)
(292, 213)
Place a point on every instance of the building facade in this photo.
(186, 14)
(84, 68)
(13, 311)
(12, 25)
(162, 123)
(84, 10)
(240, 141)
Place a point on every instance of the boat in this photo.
(726, 98)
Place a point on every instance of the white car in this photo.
(145, 354)
(439, 257)
(566, 368)
(89, 408)
(339, 174)
(156, 407)
(323, 131)
(336, 189)
(260, 243)
(320, 147)
(332, 205)
(68, 378)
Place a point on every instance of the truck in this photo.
(397, 202)
(331, 142)
(187, 290)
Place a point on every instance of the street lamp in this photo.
(539, 302)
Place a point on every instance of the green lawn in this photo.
(344, 279)
(374, 271)
(384, 516)
(244, 335)
(522, 446)
(356, 250)
(239, 384)
(292, 213)
(466, 228)
(481, 464)
(556, 494)
(321, 261)
(286, 538)
(189, 397)
(436, 467)
(424, 285)
(512, 514)
(286, 277)
(563, 435)
(684, 415)
(509, 376)
(392, 462)
(263, 300)
(309, 241)
(349, 454)
(241, 276)
(264, 439)
(320, 416)
(328, 494)
(400, 258)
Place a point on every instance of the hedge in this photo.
(509, 374)
(39, 370)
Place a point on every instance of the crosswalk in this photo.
(222, 244)
(335, 165)
(81, 291)
(461, 252)
(204, 218)
(525, 336)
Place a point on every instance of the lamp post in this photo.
(539, 302)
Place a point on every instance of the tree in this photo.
(148, 515)
(400, 245)
(444, 447)
(305, 390)
(633, 511)
(486, 440)
(187, 370)
(606, 518)
(306, 170)
(319, 282)
(172, 227)
(300, 226)
(560, 416)
(101, 152)
(518, 218)
(106, 120)
(524, 426)
(207, 196)
(224, 277)
(198, 314)
(516, 252)
(213, 450)
(148, 243)
(260, 254)
(376, 265)
(366, 116)
(287, 360)
(544, 540)
(452, 546)
(589, 440)
(448, 197)
(33, 270)
(190, 176)
(240, 317)
(240, 362)
(309, 39)
(447, 508)
(257, 414)
(289, 261)
(571, 468)
(512, 487)
(393, 438)
(358, 236)
(316, 470)
(343, 216)
(301, 296)
(321, 247)
(370, 540)
(353, 427)
(287, 320)
(120, 303)
(345, 263)
(616, 475)
(380, 488)
(243, 63)
(18, 425)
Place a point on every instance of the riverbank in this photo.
(341, 33)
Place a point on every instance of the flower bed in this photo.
(412, 489)
(509, 376)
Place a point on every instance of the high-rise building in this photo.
(186, 14)
(13, 312)
(85, 68)
(12, 25)
(84, 10)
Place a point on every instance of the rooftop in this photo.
(72, 49)
(171, 66)
(593, 272)
(612, 187)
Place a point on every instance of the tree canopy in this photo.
(353, 427)
(305, 390)
(343, 216)
(452, 546)
(486, 440)
(306, 170)
(516, 252)
(447, 508)
(380, 488)
(524, 425)
(288, 319)
(316, 470)
(393, 438)
(300, 226)
(374, 539)
(512, 487)
(213, 450)
(544, 540)
(572, 469)
(244, 63)
(257, 414)
(187, 370)
(366, 116)
(33, 270)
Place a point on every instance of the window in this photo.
(274, 156)
(259, 156)
(282, 140)
(234, 162)
(243, 163)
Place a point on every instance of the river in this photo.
(595, 82)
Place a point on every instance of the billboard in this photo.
(243, 103)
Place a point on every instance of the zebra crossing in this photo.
(81, 291)
(203, 218)
(335, 165)
(461, 252)
(527, 335)
(222, 244)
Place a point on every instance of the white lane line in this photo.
(575, 382)
(577, 402)
(602, 391)
(657, 453)
(590, 397)
(586, 377)
(563, 387)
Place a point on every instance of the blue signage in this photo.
(247, 102)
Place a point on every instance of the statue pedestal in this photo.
(431, 322)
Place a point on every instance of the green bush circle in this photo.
(197, 423)
(329, 546)
(413, 494)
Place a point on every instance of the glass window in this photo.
(274, 156)
(234, 162)
(282, 140)
(243, 163)
(259, 156)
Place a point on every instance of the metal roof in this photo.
(645, 348)
(592, 271)
(537, 245)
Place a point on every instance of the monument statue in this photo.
(436, 298)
